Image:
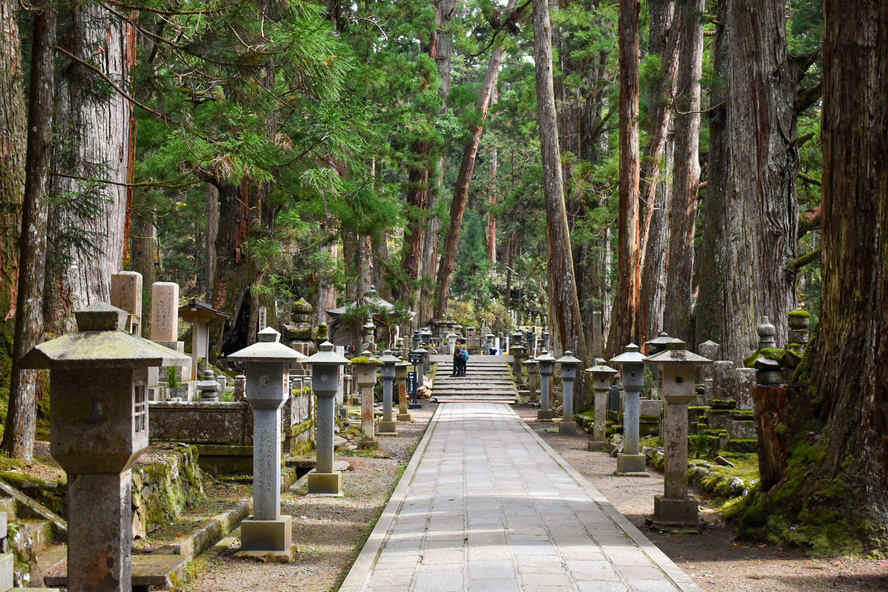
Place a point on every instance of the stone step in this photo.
(51, 557)
(163, 571)
(475, 399)
(40, 532)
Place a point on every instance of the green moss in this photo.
(800, 313)
(742, 445)
(366, 360)
(770, 353)
(723, 404)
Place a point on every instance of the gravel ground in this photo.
(330, 531)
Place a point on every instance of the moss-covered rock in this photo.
(742, 445)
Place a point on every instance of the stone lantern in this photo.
(601, 376)
(678, 370)
(426, 336)
(767, 371)
(631, 462)
(99, 427)
(401, 381)
(389, 365)
(420, 355)
(533, 372)
(365, 375)
(545, 337)
(451, 341)
(490, 337)
(416, 338)
(656, 345)
(546, 364)
(569, 365)
(767, 334)
(267, 366)
(326, 371)
(518, 352)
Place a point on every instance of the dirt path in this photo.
(331, 531)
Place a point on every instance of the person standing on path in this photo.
(457, 359)
(463, 356)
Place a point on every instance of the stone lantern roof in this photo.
(326, 355)
(631, 355)
(568, 358)
(100, 343)
(676, 354)
(268, 349)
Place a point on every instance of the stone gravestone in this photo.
(263, 318)
(711, 351)
(165, 313)
(126, 294)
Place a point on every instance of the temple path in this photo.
(486, 505)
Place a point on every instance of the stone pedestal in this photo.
(601, 376)
(569, 365)
(403, 401)
(388, 425)
(365, 374)
(324, 480)
(677, 366)
(546, 364)
(631, 463)
(267, 364)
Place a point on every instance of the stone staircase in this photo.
(30, 533)
(487, 379)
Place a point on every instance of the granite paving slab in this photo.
(486, 504)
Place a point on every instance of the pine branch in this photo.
(805, 260)
(143, 184)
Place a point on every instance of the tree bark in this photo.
(624, 320)
(680, 278)
(564, 307)
(491, 200)
(12, 156)
(749, 232)
(21, 419)
(654, 257)
(96, 130)
(463, 180)
(850, 369)
(143, 248)
(212, 234)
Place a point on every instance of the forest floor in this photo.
(330, 531)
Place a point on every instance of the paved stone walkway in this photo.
(486, 505)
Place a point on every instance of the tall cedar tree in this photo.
(624, 321)
(751, 215)
(564, 306)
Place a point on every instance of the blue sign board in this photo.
(415, 358)
(411, 383)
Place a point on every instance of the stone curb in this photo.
(209, 533)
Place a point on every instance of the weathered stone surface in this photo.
(126, 294)
(202, 423)
(165, 311)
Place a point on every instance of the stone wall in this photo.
(165, 482)
(218, 423)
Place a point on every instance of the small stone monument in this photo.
(401, 380)
(420, 354)
(208, 387)
(165, 312)
(126, 293)
(267, 533)
(675, 509)
(240, 388)
(201, 316)
(326, 370)
(631, 463)
(364, 368)
(601, 376)
(389, 363)
(263, 318)
(301, 333)
(546, 363)
(569, 365)
(712, 351)
(767, 334)
(99, 427)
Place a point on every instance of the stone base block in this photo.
(325, 483)
(267, 535)
(368, 445)
(567, 428)
(597, 445)
(7, 569)
(631, 465)
(269, 556)
(405, 417)
(389, 428)
(545, 414)
(675, 513)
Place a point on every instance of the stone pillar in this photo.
(601, 376)
(240, 388)
(165, 311)
(532, 378)
(326, 371)
(597, 340)
(126, 294)
(744, 381)
(267, 534)
(518, 351)
(712, 351)
(365, 372)
(722, 371)
(631, 462)
(389, 362)
(675, 509)
(546, 363)
(401, 381)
